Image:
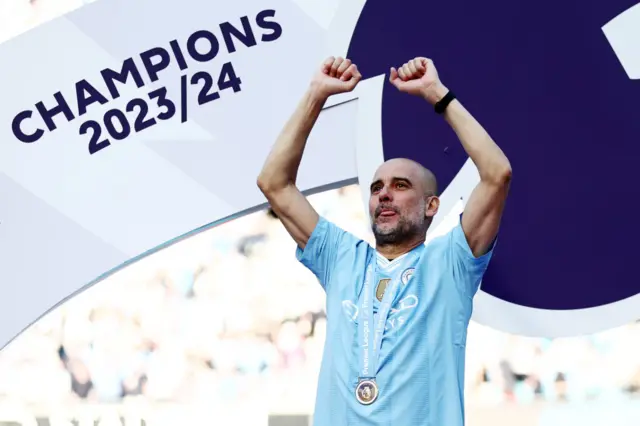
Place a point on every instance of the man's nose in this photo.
(384, 194)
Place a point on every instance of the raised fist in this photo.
(337, 75)
(419, 77)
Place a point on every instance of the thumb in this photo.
(353, 82)
(394, 79)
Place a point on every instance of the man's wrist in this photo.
(316, 95)
(435, 93)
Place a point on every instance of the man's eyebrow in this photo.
(394, 179)
(405, 179)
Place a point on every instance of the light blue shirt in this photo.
(420, 372)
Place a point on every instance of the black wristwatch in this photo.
(443, 103)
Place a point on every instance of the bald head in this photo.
(415, 172)
(403, 201)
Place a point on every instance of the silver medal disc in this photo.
(366, 392)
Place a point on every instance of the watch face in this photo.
(553, 83)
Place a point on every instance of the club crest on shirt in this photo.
(406, 275)
(382, 286)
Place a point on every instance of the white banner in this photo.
(125, 126)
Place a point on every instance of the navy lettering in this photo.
(17, 130)
(276, 29)
(48, 114)
(86, 95)
(175, 47)
(247, 37)
(128, 69)
(154, 60)
(203, 57)
(154, 69)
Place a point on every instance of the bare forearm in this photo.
(492, 163)
(278, 176)
(281, 166)
(484, 208)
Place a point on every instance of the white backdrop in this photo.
(69, 218)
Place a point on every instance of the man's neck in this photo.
(393, 251)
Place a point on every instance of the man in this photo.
(397, 315)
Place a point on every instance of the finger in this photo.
(407, 72)
(356, 73)
(334, 67)
(349, 72)
(401, 73)
(351, 84)
(394, 78)
(326, 65)
(393, 74)
(420, 67)
(355, 77)
(342, 68)
(412, 69)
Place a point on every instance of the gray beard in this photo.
(404, 231)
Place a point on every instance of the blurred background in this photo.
(228, 327)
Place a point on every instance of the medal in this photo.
(370, 330)
(366, 392)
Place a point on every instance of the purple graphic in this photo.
(544, 81)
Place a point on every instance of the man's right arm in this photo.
(277, 181)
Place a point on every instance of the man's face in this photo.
(397, 202)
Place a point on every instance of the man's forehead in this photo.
(397, 169)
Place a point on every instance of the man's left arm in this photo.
(483, 211)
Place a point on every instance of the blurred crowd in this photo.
(230, 315)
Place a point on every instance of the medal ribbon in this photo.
(370, 334)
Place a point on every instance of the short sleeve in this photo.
(321, 251)
(468, 268)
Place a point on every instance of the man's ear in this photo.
(433, 204)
